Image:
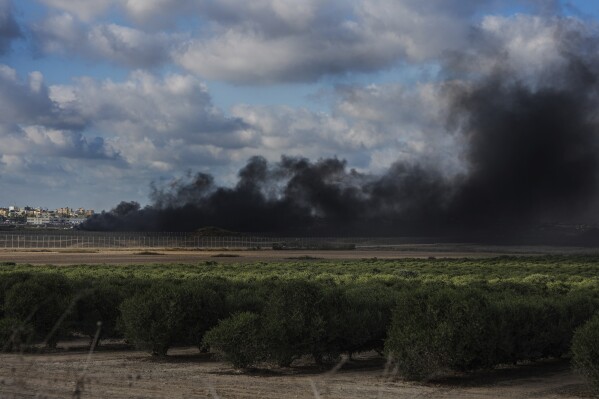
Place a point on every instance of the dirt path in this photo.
(187, 374)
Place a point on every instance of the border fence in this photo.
(114, 240)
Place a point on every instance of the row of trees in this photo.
(425, 327)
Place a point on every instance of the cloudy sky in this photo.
(100, 98)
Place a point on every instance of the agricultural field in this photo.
(500, 326)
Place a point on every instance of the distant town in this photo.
(40, 217)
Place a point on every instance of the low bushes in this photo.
(436, 329)
(153, 319)
(467, 329)
(363, 317)
(98, 304)
(44, 302)
(6, 283)
(534, 327)
(238, 339)
(294, 322)
(444, 314)
(585, 351)
(204, 308)
(168, 314)
(301, 318)
(13, 334)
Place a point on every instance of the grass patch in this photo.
(226, 256)
(148, 253)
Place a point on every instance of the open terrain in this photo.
(162, 256)
(188, 374)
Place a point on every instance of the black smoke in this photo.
(531, 156)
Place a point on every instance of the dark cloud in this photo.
(33, 124)
(9, 27)
(28, 102)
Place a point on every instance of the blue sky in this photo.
(99, 99)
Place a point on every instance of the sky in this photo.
(101, 99)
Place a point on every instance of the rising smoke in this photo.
(530, 150)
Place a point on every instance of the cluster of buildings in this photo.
(40, 217)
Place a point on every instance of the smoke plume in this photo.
(530, 153)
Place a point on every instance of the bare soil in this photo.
(185, 373)
(163, 256)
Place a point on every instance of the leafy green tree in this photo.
(154, 319)
(45, 302)
(294, 321)
(99, 304)
(204, 308)
(585, 352)
(434, 329)
(13, 334)
(238, 339)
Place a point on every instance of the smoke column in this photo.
(530, 151)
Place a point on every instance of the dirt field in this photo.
(188, 374)
(133, 256)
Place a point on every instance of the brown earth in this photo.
(187, 374)
(152, 256)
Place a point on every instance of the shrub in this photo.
(99, 304)
(6, 282)
(45, 303)
(13, 334)
(167, 314)
(294, 321)
(585, 351)
(238, 339)
(154, 319)
(436, 329)
(365, 316)
(534, 327)
(249, 297)
(204, 307)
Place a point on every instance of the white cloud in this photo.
(371, 127)
(533, 43)
(118, 44)
(273, 41)
(84, 9)
(32, 124)
(529, 49)
(167, 123)
(359, 37)
(145, 125)
(265, 41)
(125, 131)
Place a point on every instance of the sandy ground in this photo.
(136, 256)
(188, 374)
